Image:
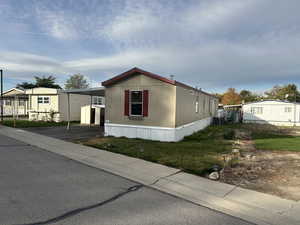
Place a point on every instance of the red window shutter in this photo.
(145, 102)
(126, 103)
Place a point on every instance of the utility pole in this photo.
(1, 102)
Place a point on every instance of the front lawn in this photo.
(27, 123)
(279, 143)
(194, 154)
(267, 137)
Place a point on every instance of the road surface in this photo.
(40, 187)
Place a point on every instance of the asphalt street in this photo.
(39, 187)
(76, 132)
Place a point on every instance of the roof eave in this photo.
(132, 72)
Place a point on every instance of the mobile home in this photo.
(15, 103)
(275, 112)
(52, 104)
(140, 104)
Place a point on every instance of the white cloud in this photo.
(206, 43)
(58, 24)
(117, 61)
(21, 65)
(211, 15)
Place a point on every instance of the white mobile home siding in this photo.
(272, 112)
(14, 108)
(57, 103)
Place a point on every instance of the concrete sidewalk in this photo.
(249, 205)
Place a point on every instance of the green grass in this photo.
(194, 154)
(277, 142)
(26, 123)
(273, 138)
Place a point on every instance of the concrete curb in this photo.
(249, 205)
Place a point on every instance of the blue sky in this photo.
(212, 44)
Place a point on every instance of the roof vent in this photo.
(172, 77)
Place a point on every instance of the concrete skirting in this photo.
(156, 133)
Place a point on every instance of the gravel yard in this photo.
(276, 172)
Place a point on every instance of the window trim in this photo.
(254, 108)
(130, 103)
(43, 100)
(97, 100)
(196, 106)
(289, 109)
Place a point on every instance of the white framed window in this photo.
(98, 100)
(46, 100)
(257, 110)
(287, 109)
(43, 99)
(136, 103)
(197, 106)
(40, 100)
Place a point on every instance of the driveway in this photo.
(40, 187)
(76, 132)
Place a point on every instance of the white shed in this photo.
(275, 112)
(92, 114)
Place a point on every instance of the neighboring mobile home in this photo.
(273, 112)
(15, 103)
(144, 105)
(52, 104)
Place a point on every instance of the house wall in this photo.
(161, 108)
(42, 111)
(273, 113)
(76, 102)
(186, 106)
(33, 99)
(42, 107)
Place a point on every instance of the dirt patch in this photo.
(273, 172)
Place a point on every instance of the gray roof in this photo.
(271, 100)
(98, 91)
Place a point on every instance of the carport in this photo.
(98, 91)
